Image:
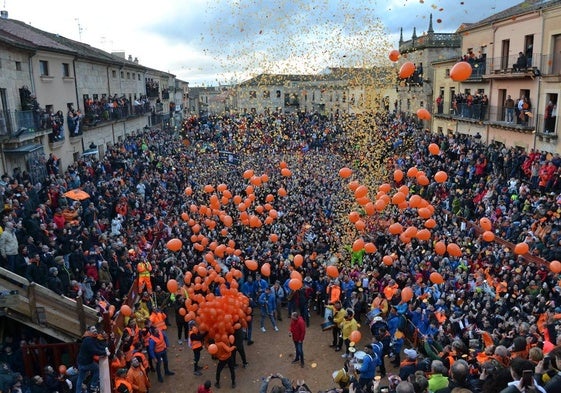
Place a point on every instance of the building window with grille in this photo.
(44, 67)
(113, 73)
(18, 65)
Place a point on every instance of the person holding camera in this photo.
(522, 371)
(285, 388)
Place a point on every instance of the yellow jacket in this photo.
(347, 327)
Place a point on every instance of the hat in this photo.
(59, 260)
(308, 279)
(410, 353)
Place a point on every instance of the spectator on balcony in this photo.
(9, 246)
(521, 63)
(550, 117)
(509, 106)
(440, 104)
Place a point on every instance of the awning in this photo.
(25, 149)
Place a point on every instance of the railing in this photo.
(479, 112)
(506, 64)
(433, 40)
(42, 307)
(16, 123)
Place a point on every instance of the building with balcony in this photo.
(514, 55)
(65, 97)
(420, 90)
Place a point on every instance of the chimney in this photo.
(130, 58)
(3, 14)
(136, 60)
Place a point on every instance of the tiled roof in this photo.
(519, 9)
(27, 35)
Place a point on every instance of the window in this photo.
(448, 72)
(278, 94)
(113, 73)
(133, 77)
(128, 75)
(65, 70)
(18, 65)
(266, 94)
(44, 67)
(122, 74)
(138, 76)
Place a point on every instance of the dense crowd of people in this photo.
(492, 306)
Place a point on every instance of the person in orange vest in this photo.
(196, 338)
(158, 319)
(144, 268)
(121, 384)
(334, 292)
(118, 361)
(158, 350)
(133, 331)
(137, 377)
(225, 358)
(142, 356)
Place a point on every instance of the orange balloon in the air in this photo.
(394, 55)
(461, 71)
(423, 114)
(406, 70)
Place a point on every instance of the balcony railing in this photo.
(492, 114)
(17, 123)
(550, 65)
(510, 64)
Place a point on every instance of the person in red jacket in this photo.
(298, 332)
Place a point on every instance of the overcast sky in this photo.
(211, 42)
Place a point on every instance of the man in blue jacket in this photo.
(268, 305)
(367, 369)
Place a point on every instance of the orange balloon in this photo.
(282, 192)
(440, 247)
(385, 188)
(394, 55)
(358, 245)
(184, 216)
(398, 175)
(172, 286)
(298, 260)
(412, 172)
(174, 244)
(388, 260)
(273, 237)
(355, 336)
(345, 172)
(295, 284)
(406, 294)
(361, 191)
(126, 310)
(360, 225)
(488, 236)
(251, 264)
(396, 228)
(370, 248)
(286, 172)
(521, 248)
(283, 165)
(369, 208)
(436, 278)
(461, 71)
(423, 180)
(248, 174)
(555, 266)
(423, 114)
(407, 69)
(486, 224)
(424, 212)
(434, 149)
(296, 275)
(430, 223)
(213, 349)
(423, 234)
(440, 176)
(266, 270)
(354, 217)
(188, 191)
(398, 197)
(332, 271)
(454, 250)
(353, 185)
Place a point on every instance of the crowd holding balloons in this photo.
(301, 204)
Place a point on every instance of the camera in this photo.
(527, 378)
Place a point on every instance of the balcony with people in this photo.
(98, 111)
(519, 66)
